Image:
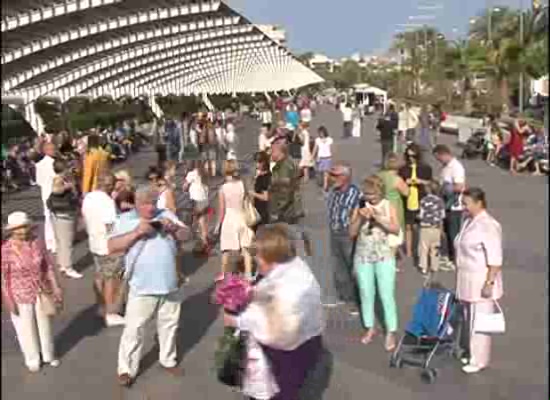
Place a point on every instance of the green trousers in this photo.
(381, 276)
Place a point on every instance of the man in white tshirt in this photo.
(99, 211)
(44, 178)
(453, 182)
(347, 115)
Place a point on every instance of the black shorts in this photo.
(411, 217)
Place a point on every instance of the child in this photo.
(432, 214)
(198, 193)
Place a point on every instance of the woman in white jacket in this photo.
(286, 315)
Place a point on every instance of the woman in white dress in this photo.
(306, 159)
(235, 235)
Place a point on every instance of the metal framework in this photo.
(134, 47)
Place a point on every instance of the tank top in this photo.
(373, 243)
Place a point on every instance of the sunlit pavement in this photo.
(88, 351)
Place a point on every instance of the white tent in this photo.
(366, 89)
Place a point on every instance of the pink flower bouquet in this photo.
(233, 292)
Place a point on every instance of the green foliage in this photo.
(173, 106)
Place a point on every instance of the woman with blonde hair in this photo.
(372, 225)
(235, 235)
(286, 314)
(395, 188)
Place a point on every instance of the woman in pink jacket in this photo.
(479, 277)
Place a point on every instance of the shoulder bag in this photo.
(394, 240)
(125, 284)
(251, 215)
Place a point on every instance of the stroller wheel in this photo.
(429, 375)
(396, 361)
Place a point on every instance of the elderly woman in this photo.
(479, 278)
(373, 225)
(29, 291)
(286, 314)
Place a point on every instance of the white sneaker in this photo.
(114, 320)
(471, 369)
(33, 368)
(54, 363)
(464, 360)
(72, 273)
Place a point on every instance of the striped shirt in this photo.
(340, 205)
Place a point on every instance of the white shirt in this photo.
(230, 134)
(197, 190)
(347, 113)
(44, 176)
(451, 174)
(305, 115)
(193, 136)
(220, 134)
(267, 117)
(99, 211)
(286, 310)
(324, 147)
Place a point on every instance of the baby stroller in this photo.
(434, 331)
(475, 146)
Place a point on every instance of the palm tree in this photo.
(463, 59)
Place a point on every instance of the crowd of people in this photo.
(136, 237)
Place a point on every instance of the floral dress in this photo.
(372, 243)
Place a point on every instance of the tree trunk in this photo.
(504, 93)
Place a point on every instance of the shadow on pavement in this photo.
(318, 380)
(86, 323)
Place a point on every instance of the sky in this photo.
(340, 28)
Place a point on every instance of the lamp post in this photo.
(521, 77)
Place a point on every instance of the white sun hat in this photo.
(17, 219)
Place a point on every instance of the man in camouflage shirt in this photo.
(285, 200)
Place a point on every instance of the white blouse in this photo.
(287, 310)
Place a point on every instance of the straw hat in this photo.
(16, 220)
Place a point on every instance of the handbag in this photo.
(394, 240)
(230, 358)
(47, 304)
(251, 215)
(258, 381)
(490, 322)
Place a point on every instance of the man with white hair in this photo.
(342, 200)
(44, 178)
(149, 239)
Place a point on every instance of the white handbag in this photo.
(258, 381)
(490, 322)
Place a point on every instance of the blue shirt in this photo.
(293, 118)
(340, 204)
(154, 272)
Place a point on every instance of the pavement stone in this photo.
(349, 370)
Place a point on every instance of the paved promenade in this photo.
(88, 351)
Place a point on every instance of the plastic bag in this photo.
(258, 381)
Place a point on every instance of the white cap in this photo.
(17, 219)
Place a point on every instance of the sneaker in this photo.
(33, 368)
(471, 369)
(464, 360)
(72, 273)
(54, 363)
(353, 311)
(114, 320)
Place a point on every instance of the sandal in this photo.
(390, 344)
(369, 336)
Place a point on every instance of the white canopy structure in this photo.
(64, 48)
(366, 89)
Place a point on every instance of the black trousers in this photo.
(452, 225)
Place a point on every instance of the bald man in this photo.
(44, 178)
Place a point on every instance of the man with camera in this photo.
(149, 239)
